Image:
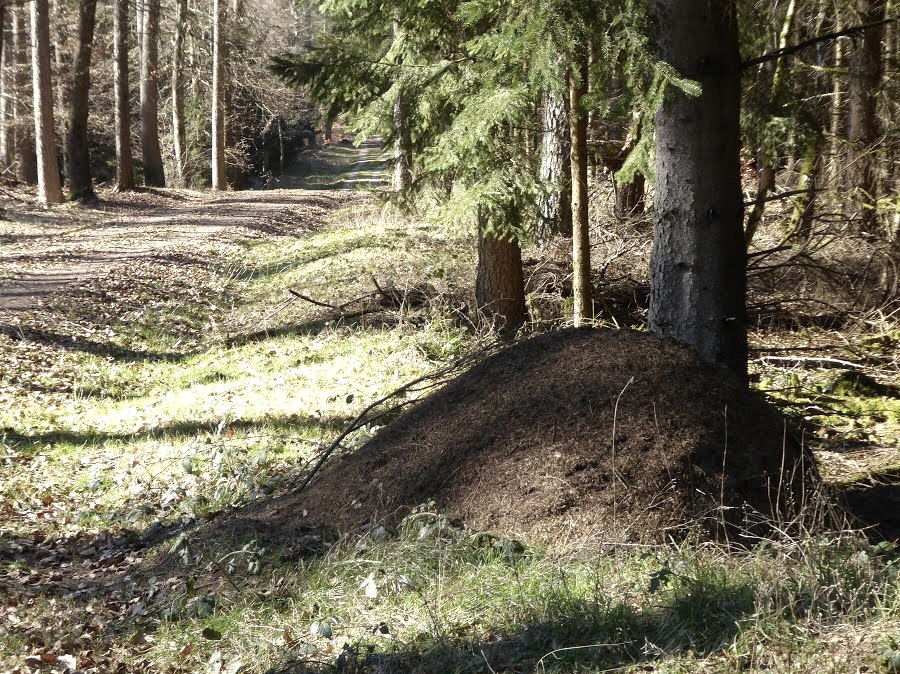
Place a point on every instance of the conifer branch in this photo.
(800, 46)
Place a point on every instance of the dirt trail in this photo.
(44, 251)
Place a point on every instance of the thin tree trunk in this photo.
(233, 31)
(698, 267)
(837, 106)
(865, 82)
(124, 162)
(280, 148)
(630, 195)
(800, 224)
(78, 166)
(554, 204)
(499, 283)
(7, 130)
(178, 132)
(154, 174)
(26, 159)
(219, 181)
(766, 180)
(49, 189)
(402, 150)
(581, 246)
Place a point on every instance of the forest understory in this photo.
(174, 364)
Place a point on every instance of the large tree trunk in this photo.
(554, 205)
(124, 163)
(26, 160)
(698, 269)
(178, 132)
(499, 285)
(78, 167)
(865, 82)
(581, 246)
(154, 175)
(219, 181)
(49, 189)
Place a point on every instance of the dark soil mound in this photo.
(581, 433)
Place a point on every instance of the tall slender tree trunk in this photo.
(698, 267)
(124, 162)
(178, 131)
(766, 180)
(499, 283)
(49, 189)
(630, 195)
(233, 171)
(78, 166)
(219, 181)
(865, 82)
(7, 128)
(26, 159)
(402, 142)
(154, 174)
(581, 245)
(836, 124)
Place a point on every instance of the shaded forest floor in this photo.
(170, 358)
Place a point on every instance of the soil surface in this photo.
(571, 436)
(43, 252)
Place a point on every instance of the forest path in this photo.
(43, 251)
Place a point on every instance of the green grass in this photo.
(213, 390)
(434, 597)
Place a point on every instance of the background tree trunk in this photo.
(7, 130)
(219, 181)
(555, 171)
(581, 246)
(178, 131)
(402, 150)
(865, 82)
(26, 159)
(499, 285)
(698, 268)
(78, 166)
(49, 189)
(124, 164)
(154, 175)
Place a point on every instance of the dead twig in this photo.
(432, 379)
(809, 361)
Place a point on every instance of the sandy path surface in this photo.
(43, 251)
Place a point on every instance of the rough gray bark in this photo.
(219, 181)
(124, 162)
(178, 126)
(49, 188)
(154, 174)
(402, 143)
(26, 160)
(581, 246)
(698, 268)
(78, 166)
(499, 284)
(865, 82)
(554, 172)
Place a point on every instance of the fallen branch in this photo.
(809, 361)
(800, 46)
(433, 379)
(335, 307)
